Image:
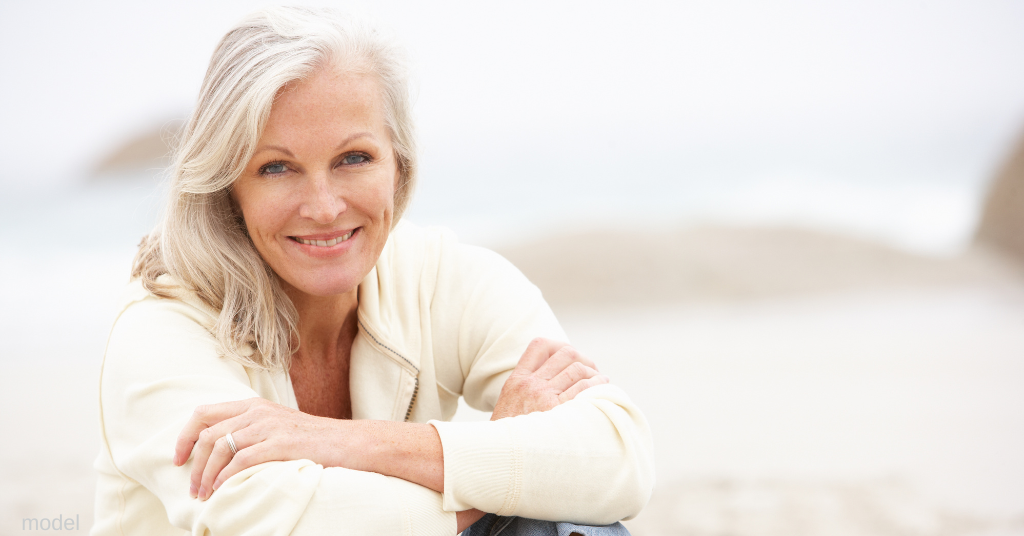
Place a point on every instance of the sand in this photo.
(796, 382)
(800, 416)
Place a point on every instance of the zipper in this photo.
(415, 391)
(410, 367)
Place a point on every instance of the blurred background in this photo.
(792, 231)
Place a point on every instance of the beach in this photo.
(786, 394)
(791, 232)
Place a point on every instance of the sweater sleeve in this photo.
(588, 461)
(161, 363)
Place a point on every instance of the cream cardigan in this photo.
(437, 320)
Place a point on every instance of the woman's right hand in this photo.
(548, 374)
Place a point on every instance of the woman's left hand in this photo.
(262, 430)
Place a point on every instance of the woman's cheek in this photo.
(381, 202)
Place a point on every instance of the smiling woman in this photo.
(288, 353)
(318, 194)
(317, 199)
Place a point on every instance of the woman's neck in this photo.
(324, 322)
(320, 368)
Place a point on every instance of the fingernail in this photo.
(192, 490)
(202, 493)
(216, 485)
(175, 459)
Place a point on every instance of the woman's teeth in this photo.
(325, 243)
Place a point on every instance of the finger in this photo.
(202, 418)
(537, 352)
(581, 386)
(204, 447)
(246, 458)
(561, 359)
(570, 376)
(219, 458)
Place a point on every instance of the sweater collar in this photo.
(384, 364)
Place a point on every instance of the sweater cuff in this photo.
(483, 466)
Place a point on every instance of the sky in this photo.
(884, 118)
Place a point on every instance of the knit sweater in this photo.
(437, 320)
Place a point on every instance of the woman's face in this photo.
(318, 195)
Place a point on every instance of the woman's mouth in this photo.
(324, 243)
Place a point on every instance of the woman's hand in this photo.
(262, 430)
(548, 374)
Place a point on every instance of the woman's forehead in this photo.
(328, 103)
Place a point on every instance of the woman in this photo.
(288, 352)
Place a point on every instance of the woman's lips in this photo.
(324, 240)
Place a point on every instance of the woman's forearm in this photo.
(410, 451)
(589, 460)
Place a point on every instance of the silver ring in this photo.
(231, 444)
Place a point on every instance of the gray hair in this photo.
(201, 241)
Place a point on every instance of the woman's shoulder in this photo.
(415, 248)
(170, 298)
(433, 263)
(155, 337)
(428, 269)
(170, 321)
(410, 244)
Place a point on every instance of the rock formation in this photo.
(147, 150)
(1002, 221)
(710, 263)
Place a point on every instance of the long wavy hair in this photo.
(201, 240)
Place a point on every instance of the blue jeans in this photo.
(492, 525)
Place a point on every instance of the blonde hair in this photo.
(201, 241)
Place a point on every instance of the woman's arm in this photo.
(589, 460)
(549, 373)
(161, 363)
(409, 451)
(263, 431)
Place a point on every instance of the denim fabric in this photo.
(492, 525)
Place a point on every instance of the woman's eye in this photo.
(274, 169)
(355, 159)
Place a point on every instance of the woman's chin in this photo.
(323, 288)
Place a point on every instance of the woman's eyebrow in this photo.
(349, 139)
(344, 142)
(274, 148)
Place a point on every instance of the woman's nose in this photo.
(323, 203)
